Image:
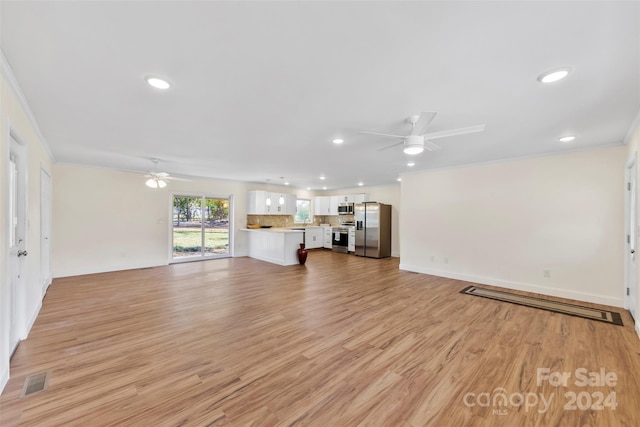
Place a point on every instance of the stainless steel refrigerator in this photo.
(373, 229)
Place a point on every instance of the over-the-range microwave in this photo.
(345, 209)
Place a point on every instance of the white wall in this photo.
(503, 224)
(387, 194)
(15, 117)
(108, 220)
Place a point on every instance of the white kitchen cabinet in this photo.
(288, 205)
(313, 237)
(351, 246)
(333, 204)
(328, 205)
(257, 203)
(327, 234)
(352, 198)
(322, 205)
(360, 198)
(277, 246)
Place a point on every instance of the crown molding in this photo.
(635, 124)
(7, 72)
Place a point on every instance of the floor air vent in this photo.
(35, 383)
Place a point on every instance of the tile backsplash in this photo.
(287, 220)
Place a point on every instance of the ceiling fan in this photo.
(417, 141)
(157, 179)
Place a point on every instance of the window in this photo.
(303, 211)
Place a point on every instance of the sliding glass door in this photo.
(200, 227)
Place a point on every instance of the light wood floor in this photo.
(342, 341)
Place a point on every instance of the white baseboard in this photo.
(106, 269)
(34, 316)
(537, 289)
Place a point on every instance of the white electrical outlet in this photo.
(433, 259)
(547, 273)
(446, 260)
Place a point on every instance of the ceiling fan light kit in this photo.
(412, 150)
(155, 183)
(157, 179)
(417, 141)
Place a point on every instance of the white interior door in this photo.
(45, 229)
(631, 215)
(17, 244)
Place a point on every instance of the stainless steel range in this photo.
(340, 239)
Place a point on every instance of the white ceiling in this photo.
(261, 88)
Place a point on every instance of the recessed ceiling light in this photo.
(567, 138)
(308, 188)
(286, 183)
(553, 75)
(399, 179)
(323, 177)
(157, 82)
(360, 184)
(411, 164)
(324, 188)
(338, 141)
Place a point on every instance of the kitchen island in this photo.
(275, 245)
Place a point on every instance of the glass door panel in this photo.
(216, 227)
(187, 226)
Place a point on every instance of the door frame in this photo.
(230, 254)
(16, 302)
(630, 238)
(46, 200)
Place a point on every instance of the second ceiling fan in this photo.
(418, 141)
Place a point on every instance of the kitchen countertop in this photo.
(280, 229)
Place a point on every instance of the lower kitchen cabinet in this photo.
(351, 247)
(326, 233)
(313, 237)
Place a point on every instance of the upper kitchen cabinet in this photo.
(328, 205)
(333, 204)
(289, 207)
(322, 205)
(256, 202)
(360, 198)
(269, 203)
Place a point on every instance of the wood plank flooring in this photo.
(341, 341)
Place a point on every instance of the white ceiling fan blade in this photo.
(390, 146)
(423, 123)
(452, 132)
(431, 146)
(173, 178)
(383, 134)
(161, 174)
